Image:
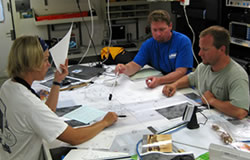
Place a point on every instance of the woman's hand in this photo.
(61, 76)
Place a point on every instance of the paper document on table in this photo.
(85, 114)
(136, 91)
(80, 154)
(145, 73)
(60, 51)
(103, 140)
(67, 99)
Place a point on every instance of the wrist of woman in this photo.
(56, 83)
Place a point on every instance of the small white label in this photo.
(172, 56)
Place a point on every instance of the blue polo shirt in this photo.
(167, 56)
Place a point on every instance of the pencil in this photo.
(75, 86)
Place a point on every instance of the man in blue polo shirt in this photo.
(167, 51)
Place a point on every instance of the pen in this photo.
(113, 86)
(122, 116)
(246, 141)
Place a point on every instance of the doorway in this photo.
(6, 29)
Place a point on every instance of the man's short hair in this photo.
(221, 36)
(158, 16)
(26, 55)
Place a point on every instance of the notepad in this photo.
(85, 114)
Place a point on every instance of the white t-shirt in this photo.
(24, 121)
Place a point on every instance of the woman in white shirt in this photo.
(24, 119)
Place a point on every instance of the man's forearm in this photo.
(173, 76)
(132, 68)
(229, 109)
(182, 82)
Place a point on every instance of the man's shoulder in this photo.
(202, 66)
(181, 39)
(150, 40)
(147, 44)
(180, 35)
(237, 69)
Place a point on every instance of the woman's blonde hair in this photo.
(26, 55)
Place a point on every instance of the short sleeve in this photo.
(185, 54)
(239, 93)
(142, 57)
(46, 123)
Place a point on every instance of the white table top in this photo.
(139, 104)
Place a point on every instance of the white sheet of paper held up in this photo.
(59, 52)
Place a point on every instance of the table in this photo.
(140, 105)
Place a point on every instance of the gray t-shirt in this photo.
(229, 84)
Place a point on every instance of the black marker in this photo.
(122, 116)
(110, 96)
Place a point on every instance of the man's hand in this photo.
(110, 118)
(120, 68)
(209, 97)
(127, 69)
(152, 82)
(169, 90)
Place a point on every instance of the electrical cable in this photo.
(198, 75)
(185, 14)
(168, 131)
(77, 1)
(109, 25)
(92, 31)
(137, 149)
(174, 127)
(110, 29)
(204, 123)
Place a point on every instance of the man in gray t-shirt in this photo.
(223, 82)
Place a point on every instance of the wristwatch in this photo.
(56, 83)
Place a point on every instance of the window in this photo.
(1, 12)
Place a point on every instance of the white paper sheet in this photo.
(60, 51)
(103, 140)
(67, 99)
(80, 154)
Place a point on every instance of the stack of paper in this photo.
(80, 154)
